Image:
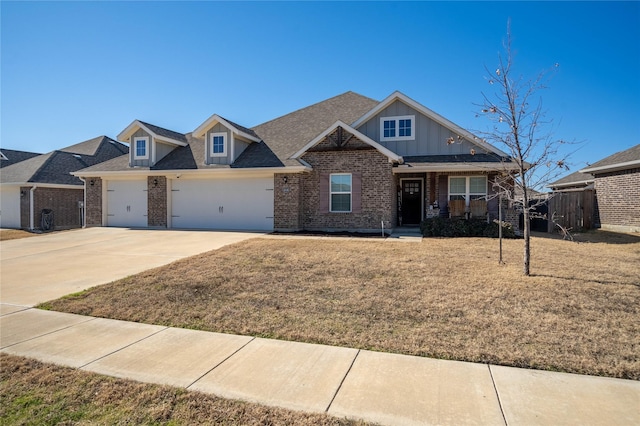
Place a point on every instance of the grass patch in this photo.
(15, 234)
(442, 298)
(36, 393)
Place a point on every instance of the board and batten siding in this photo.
(162, 150)
(140, 163)
(218, 128)
(430, 136)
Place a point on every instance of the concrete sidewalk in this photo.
(378, 387)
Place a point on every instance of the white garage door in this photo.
(238, 204)
(127, 203)
(10, 207)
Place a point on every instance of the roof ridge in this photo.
(311, 106)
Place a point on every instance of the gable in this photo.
(430, 138)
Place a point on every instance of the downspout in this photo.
(31, 208)
(83, 215)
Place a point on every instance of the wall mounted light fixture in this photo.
(155, 182)
(92, 182)
(285, 179)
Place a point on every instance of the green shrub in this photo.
(441, 227)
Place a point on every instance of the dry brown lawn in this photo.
(443, 298)
(14, 234)
(34, 393)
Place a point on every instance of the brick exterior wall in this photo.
(618, 195)
(157, 201)
(378, 194)
(63, 202)
(93, 207)
(287, 202)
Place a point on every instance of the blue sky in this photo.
(75, 70)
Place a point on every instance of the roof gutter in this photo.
(193, 172)
(612, 167)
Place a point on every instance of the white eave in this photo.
(569, 184)
(195, 173)
(215, 118)
(432, 115)
(42, 185)
(392, 156)
(612, 167)
(455, 167)
(126, 134)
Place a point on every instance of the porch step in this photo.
(406, 234)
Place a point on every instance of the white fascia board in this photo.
(612, 167)
(454, 167)
(563, 185)
(432, 115)
(168, 140)
(366, 139)
(126, 134)
(201, 130)
(197, 173)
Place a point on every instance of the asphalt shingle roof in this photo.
(631, 154)
(572, 178)
(55, 167)
(161, 131)
(288, 134)
(14, 156)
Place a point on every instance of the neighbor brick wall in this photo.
(63, 202)
(93, 207)
(157, 201)
(378, 188)
(287, 202)
(618, 195)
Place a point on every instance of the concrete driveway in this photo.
(37, 269)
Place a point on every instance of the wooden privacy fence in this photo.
(575, 210)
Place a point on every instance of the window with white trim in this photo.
(340, 191)
(467, 188)
(400, 128)
(218, 144)
(141, 148)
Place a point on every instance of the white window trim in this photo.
(397, 120)
(332, 193)
(146, 148)
(224, 144)
(467, 194)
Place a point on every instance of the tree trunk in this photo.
(527, 240)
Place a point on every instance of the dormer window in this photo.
(398, 128)
(218, 144)
(141, 148)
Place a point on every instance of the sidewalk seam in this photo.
(495, 388)
(342, 381)
(220, 363)
(46, 334)
(124, 347)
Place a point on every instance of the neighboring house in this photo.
(573, 204)
(11, 156)
(347, 163)
(617, 186)
(44, 182)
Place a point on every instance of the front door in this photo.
(411, 210)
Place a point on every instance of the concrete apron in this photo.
(378, 387)
(46, 267)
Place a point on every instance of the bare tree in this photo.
(520, 127)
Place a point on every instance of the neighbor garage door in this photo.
(9, 207)
(127, 203)
(238, 204)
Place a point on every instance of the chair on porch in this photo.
(456, 208)
(478, 208)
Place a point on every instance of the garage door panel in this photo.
(239, 204)
(127, 203)
(10, 207)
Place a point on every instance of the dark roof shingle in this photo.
(161, 131)
(12, 156)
